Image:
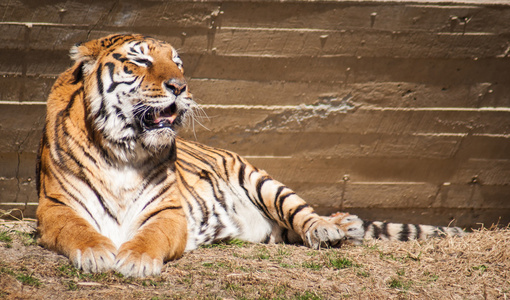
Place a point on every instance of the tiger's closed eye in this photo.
(128, 70)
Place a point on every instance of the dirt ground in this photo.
(476, 266)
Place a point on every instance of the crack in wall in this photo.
(300, 115)
(19, 151)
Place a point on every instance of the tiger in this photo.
(120, 191)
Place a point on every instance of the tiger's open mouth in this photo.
(168, 117)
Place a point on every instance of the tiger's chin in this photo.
(158, 140)
(159, 127)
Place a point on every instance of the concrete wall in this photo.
(395, 110)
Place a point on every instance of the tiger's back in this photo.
(118, 190)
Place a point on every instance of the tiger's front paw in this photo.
(133, 263)
(94, 259)
(351, 225)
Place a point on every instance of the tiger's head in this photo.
(135, 91)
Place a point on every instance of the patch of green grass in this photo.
(363, 273)
(28, 239)
(307, 296)
(398, 283)
(69, 271)
(150, 282)
(236, 242)
(23, 277)
(71, 285)
(312, 265)
(26, 279)
(282, 252)
(430, 277)
(285, 265)
(401, 272)
(481, 268)
(8, 271)
(187, 279)
(5, 237)
(263, 253)
(217, 265)
(280, 290)
(340, 262)
(383, 255)
(225, 244)
(229, 286)
(373, 247)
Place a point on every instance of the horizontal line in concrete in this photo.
(351, 30)
(266, 157)
(22, 103)
(45, 24)
(493, 135)
(315, 107)
(386, 183)
(441, 134)
(369, 108)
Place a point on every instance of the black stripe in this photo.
(199, 156)
(308, 220)
(296, 211)
(160, 193)
(119, 57)
(198, 199)
(376, 231)
(114, 84)
(56, 201)
(100, 86)
(144, 61)
(159, 211)
(385, 230)
(260, 183)
(278, 192)
(78, 74)
(280, 205)
(404, 233)
(418, 231)
(219, 196)
(366, 224)
(81, 176)
(38, 166)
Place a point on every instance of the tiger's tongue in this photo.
(167, 118)
(166, 115)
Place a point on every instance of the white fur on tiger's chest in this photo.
(122, 195)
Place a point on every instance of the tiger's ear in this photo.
(86, 54)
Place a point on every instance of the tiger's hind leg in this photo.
(334, 231)
(163, 237)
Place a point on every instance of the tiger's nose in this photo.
(176, 86)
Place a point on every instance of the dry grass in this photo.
(473, 267)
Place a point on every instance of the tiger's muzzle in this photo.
(153, 118)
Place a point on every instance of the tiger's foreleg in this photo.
(163, 237)
(61, 229)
